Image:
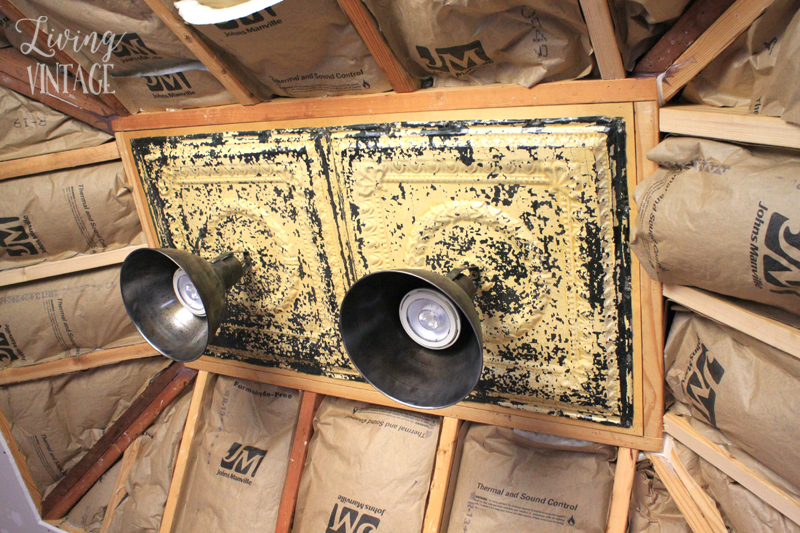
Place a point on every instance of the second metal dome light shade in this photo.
(415, 335)
(176, 299)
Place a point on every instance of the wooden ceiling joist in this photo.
(79, 263)
(687, 505)
(682, 431)
(84, 107)
(73, 67)
(604, 41)
(694, 21)
(400, 80)
(203, 387)
(729, 124)
(237, 87)
(714, 40)
(95, 359)
(624, 474)
(738, 315)
(26, 166)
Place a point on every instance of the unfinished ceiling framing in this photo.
(325, 189)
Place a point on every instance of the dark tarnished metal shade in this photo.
(391, 360)
(146, 282)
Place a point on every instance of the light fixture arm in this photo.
(231, 268)
(467, 277)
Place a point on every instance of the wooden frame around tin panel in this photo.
(643, 119)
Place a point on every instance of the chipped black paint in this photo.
(259, 336)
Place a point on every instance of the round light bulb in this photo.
(430, 318)
(187, 293)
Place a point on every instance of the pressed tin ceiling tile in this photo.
(266, 193)
(540, 206)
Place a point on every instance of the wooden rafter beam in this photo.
(714, 40)
(238, 88)
(701, 498)
(604, 41)
(79, 263)
(739, 315)
(683, 499)
(140, 415)
(14, 75)
(59, 160)
(203, 388)
(682, 431)
(399, 78)
(442, 469)
(621, 493)
(302, 436)
(73, 67)
(729, 124)
(68, 365)
(694, 21)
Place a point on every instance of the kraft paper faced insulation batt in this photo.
(64, 316)
(142, 43)
(743, 387)
(302, 48)
(58, 215)
(520, 481)
(780, 95)
(239, 458)
(368, 468)
(183, 89)
(722, 218)
(470, 42)
(29, 128)
(55, 421)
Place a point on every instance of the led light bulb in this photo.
(187, 293)
(430, 319)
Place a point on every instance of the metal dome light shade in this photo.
(431, 372)
(176, 299)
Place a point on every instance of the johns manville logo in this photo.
(782, 266)
(348, 520)
(132, 45)
(167, 82)
(241, 463)
(457, 60)
(706, 373)
(7, 353)
(15, 238)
